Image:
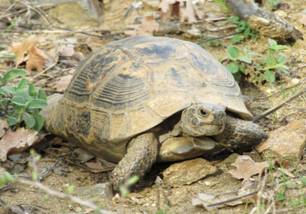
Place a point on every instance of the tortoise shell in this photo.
(132, 85)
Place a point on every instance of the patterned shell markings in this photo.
(134, 84)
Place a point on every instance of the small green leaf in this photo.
(246, 59)
(269, 76)
(19, 100)
(132, 180)
(70, 189)
(22, 85)
(303, 179)
(233, 68)
(42, 94)
(281, 59)
(37, 104)
(237, 38)
(39, 122)
(29, 120)
(12, 120)
(13, 74)
(233, 52)
(7, 90)
(34, 176)
(32, 90)
(280, 196)
(6, 178)
(272, 42)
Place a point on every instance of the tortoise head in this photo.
(203, 119)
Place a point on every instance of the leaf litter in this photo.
(246, 167)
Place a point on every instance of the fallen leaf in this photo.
(210, 201)
(96, 166)
(36, 59)
(28, 52)
(20, 49)
(187, 10)
(246, 167)
(62, 83)
(165, 5)
(17, 141)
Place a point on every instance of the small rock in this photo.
(287, 142)
(96, 192)
(187, 172)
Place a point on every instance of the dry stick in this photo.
(273, 109)
(45, 70)
(231, 199)
(61, 195)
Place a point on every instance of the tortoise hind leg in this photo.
(140, 156)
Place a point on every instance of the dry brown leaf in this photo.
(246, 167)
(27, 51)
(187, 11)
(165, 5)
(62, 83)
(36, 59)
(17, 141)
(20, 49)
(96, 166)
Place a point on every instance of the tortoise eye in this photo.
(203, 113)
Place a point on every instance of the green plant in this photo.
(272, 4)
(6, 178)
(222, 4)
(160, 211)
(244, 31)
(20, 103)
(274, 61)
(125, 188)
(237, 60)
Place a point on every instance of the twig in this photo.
(44, 71)
(273, 109)
(37, 10)
(61, 195)
(232, 199)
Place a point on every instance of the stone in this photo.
(96, 192)
(188, 172)
(287, 142)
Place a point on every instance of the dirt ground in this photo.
(60, 168)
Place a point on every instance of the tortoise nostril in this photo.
(195, 121)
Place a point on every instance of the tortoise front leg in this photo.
(140, 156)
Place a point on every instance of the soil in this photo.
(150, 196)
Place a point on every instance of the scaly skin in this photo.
(141, 154)
(240, 135)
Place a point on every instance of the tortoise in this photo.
(145, 99)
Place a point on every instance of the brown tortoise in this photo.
(145, 99)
